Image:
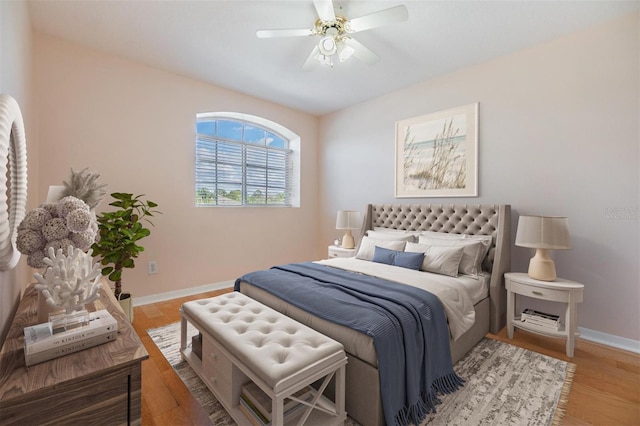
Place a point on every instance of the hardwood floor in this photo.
(605, 390)
(165, 399)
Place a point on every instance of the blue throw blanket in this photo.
(408, 326)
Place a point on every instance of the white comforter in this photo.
(453, 295)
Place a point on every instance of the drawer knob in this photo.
(537, 293)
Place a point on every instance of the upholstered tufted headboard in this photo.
(490, 219)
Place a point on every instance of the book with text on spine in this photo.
(40, 337)
(58, 351)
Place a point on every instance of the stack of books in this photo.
(541, 319)
(42, 344)
(256, 405)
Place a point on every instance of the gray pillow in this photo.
(438, 259)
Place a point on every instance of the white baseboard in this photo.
(610, 340)
(585, 333)
(161, 297)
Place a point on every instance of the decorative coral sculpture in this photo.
(70, 281)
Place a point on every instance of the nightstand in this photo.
(337, 251)
(562, 291)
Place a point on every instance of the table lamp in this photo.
(543, 233)
(348, 220)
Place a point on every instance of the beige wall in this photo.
(135, 126)
(16, 81)
(559, 135)
(559, 132)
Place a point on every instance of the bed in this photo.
(422, 225)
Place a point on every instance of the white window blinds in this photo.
(239, 163)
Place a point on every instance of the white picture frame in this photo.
(437, 154)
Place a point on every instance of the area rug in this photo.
(505, 385)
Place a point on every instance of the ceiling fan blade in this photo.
(361, 52)
(378, 19)
(325, 10)
(311, 59)
(284, 33)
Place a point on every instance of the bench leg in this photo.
(339, 406)
(183, 336)
(277, 411)
(340, 391)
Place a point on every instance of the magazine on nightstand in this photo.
(541, 319)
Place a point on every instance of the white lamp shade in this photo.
(55, 193)
(348, 219)
(543, 232)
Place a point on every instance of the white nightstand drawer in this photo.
(221, 387)
(221, 375)
(214, 362)
(540, 293)
(560, 290)
(336, 251)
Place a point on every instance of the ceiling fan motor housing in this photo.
(336, 30)
(336, 27)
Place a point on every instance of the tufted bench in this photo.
(245, 340)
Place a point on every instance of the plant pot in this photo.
(126, 303)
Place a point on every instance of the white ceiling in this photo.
(214, 41)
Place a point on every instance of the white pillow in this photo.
(486, 240)
(368, 247)
(438, 259)
(392, 236)
(473, 252)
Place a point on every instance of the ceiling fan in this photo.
(335, 32)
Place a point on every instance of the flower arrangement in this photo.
(70, 280)
(57, 226)
(84, 185)
(68, 222)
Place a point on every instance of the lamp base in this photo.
(347, 240)
(542, 267)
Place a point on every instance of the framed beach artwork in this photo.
(437, 154)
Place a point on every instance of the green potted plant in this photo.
(119, 233)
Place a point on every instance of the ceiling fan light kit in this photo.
(344, 51)
(327, 46)
(334, 30)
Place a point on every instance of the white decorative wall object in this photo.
(13, 152)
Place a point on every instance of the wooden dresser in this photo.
(97, 386)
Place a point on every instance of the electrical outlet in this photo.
(153, 267)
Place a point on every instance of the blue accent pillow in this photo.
(383, 255)
(409, 260)
(398, 258)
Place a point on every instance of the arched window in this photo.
(244, 160)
